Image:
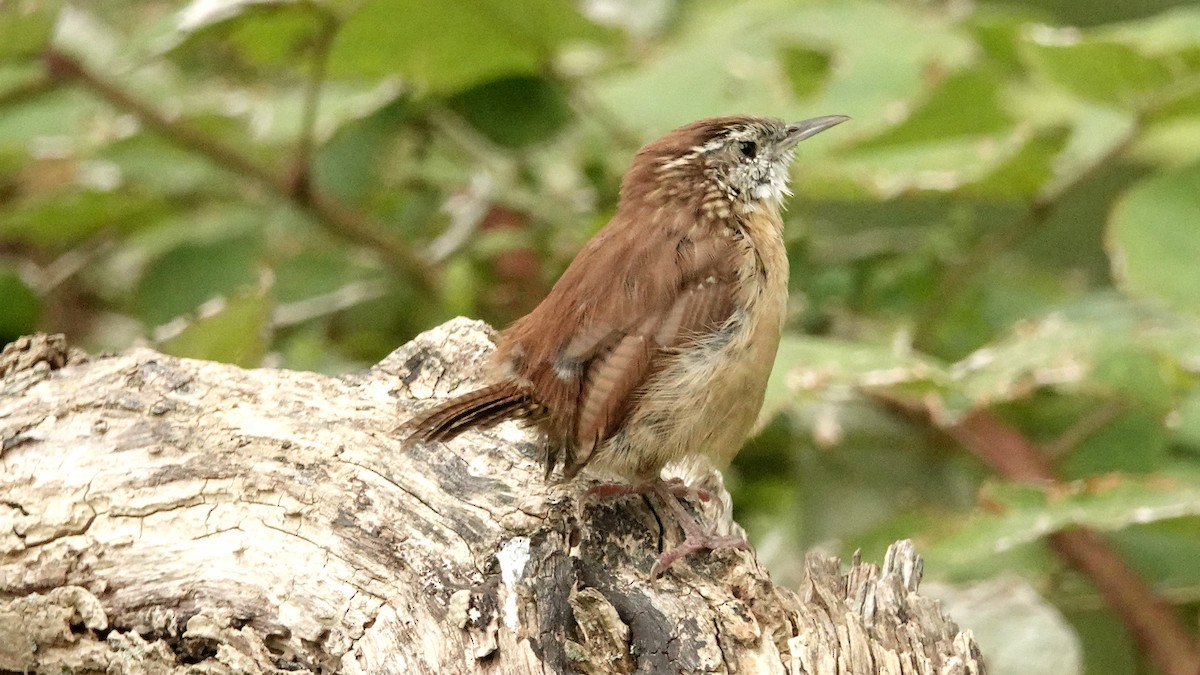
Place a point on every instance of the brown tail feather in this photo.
(480, 408)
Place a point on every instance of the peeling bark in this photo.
(163, 515)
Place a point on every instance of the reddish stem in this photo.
(1152, 622)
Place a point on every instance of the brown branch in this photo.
(336, 218)
(27, 90)
(1150, 620)
(1007, 451)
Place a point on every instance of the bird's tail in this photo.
(481, 408)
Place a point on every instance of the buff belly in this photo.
(705, 400)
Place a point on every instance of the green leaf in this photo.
(262, 31)
(232, 330)
(79, 31)
(1023, 514)
(193, 273)
(807, 69)
(449, 46)
(150, 163)
(1134, 442)
(460, 287)
(341, 103)
(1098, 346)
(26, 27)
(21, 307)
(1174, 141)
(1165, 552)
(348, 166)
(312, 348)
(199, 15)
(1171, 31)
(1143, 371)
(1107, 72)
(514, 111)
(710, 67)
(965, 104)
(1154, 241)
(1008, 290)
(71, 216)
(1104, 347)
(313, 272)
(997, 31)
(831, 369)
(1025, 172)
(1107, 645)
(62, 115)
(959, 137)
(1187, 421)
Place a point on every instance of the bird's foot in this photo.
(695, 538)
(675, 486)
(692, 543)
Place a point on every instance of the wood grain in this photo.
(164, 515)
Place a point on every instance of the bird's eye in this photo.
(748, 148)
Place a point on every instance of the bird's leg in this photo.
(694, 537)
(675, 486)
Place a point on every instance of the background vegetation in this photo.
(994, 344)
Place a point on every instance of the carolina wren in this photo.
(656, 343)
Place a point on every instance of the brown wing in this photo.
(636, 294)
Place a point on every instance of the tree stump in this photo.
(163, 515)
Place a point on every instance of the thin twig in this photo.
(351, 295)
(335, 217)
(302, 161)
(28, 90)
(1084, 429)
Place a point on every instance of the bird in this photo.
(655, 344)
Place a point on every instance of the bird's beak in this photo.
(798, 131)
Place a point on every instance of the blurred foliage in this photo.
(1011, 221)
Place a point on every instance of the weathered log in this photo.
(163, 515)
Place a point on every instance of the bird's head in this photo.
(724, 164)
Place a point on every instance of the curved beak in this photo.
(798, 131)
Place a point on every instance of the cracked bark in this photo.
(163, 515)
